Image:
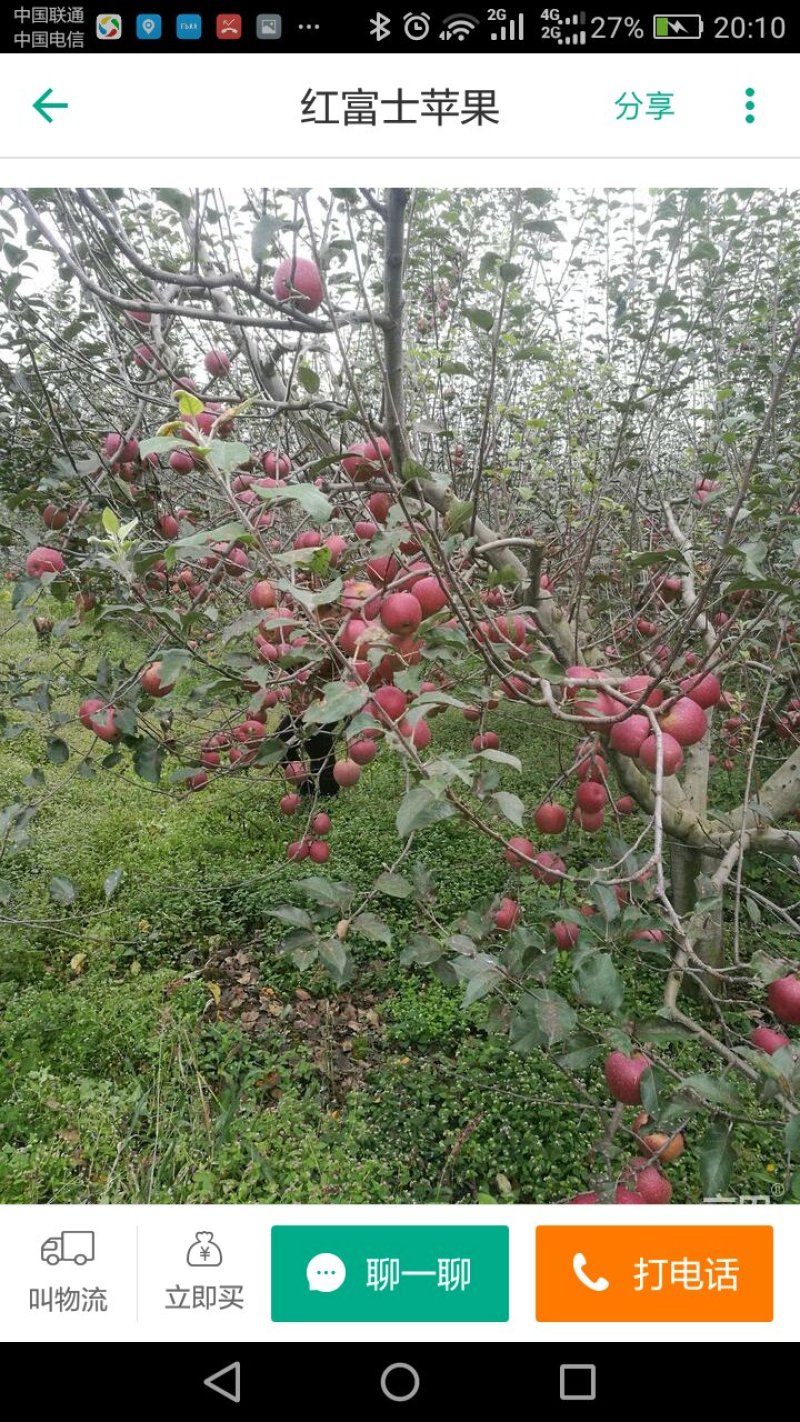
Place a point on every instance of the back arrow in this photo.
(233, 1391)
(41, 106)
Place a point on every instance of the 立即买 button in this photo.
(654, 1273)
(390, 1273)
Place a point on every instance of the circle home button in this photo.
(399, 1382)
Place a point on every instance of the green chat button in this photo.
(390, 1274)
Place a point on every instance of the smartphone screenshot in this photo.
(399, 704)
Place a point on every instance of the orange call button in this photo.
(654, 1273)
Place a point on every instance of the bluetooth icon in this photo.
(380, 27)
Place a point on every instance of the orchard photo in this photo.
(400, 695)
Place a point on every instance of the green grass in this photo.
(121, 1082)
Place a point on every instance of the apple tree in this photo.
(347, 461)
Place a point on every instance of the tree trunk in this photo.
(686, 866)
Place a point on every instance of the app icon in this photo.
(189, 27)
(108, 27)
(229, 27)
(148, 27)
(268, 27)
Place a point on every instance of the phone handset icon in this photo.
(579, 1266)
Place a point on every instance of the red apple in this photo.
(401, 613)
(430, 595)
(590, 797)
(783, 997)
(507, 915)
(151, 683)
(298, 281)
(550, 818)
(705, 690)
(565, 934)
(623, 1076)
(346, 772)
(518, 846)
(768, 1040)
(671, 751)
(43, 560)
(685, 722)
(182, 461)
(627, 736)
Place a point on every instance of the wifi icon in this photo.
(458, 27)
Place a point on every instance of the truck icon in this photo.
(74, 1246)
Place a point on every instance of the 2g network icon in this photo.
(108, 27)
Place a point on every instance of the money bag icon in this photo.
(204, 1253)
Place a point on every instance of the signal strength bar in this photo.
(513, 32)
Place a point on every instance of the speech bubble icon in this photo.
(325, 1273)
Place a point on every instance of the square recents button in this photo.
(577, 1382)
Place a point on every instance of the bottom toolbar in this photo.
(182, 1273)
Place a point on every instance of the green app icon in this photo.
(390, 1273)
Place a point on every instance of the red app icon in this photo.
(229, 27)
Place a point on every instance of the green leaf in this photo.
(322, 598)
(263, 236)
(110, 521)
(658, 1029)
(174, 198)
(394, 886)
(327, 892)
(498, 757)
(510, 806)
(224, 533)
(164, 444)
(421, 949)
(422, 806)
(309, 379)
(484, 320)
(650, 1084)
(112, 882)
(791, 1137)
(412, 470)
(458, 515)
(311, 499)
(173, 660)
(335, 957)
(455, 367)
(373, 928)
(23, 588)
(598, 984)
(57, 751)
(294, 917)
(703, 250)
(509, 271)
(187, 403)
(337, 703)
(606, 900)
(716, 1158)
(148, 759)
(542, 1018)
(715, 1090)
(62, 890)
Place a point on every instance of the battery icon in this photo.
(677, 26)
